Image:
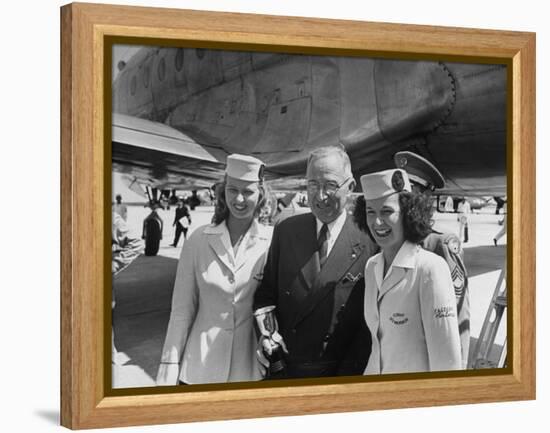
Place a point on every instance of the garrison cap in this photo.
(420, 170)
(384, 183)
(244, 167)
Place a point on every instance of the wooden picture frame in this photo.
(85, 398)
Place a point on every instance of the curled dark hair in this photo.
(416, 210)
(221, 210)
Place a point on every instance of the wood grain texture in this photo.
(84, 403)
(66, 374)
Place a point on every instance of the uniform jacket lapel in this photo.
(345, 252)
(257, 234)
(396, 275)
(404, 260)
(306, 246)
(220, 243)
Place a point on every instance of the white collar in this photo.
(405, 258)
(255, 230)
(334, 227)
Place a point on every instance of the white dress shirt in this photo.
(334, 229)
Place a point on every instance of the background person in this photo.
(124, 250)
(449, 204)
(502, 231)
(409, 297)
(182, 221)
(152, 230)
(314, 261)
(463, 218)
(120, 208)
(210, 336)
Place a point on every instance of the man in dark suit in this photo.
(182, 221)
(313, 265)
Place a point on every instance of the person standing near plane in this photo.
(313, 264)
(152, 230)
(182, 221)
(409, 301)
(120, 208)
(502, 231)
(426, 178)
(449, 205)
(211, 336)
(464, 211)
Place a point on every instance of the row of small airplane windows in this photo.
(161, 69)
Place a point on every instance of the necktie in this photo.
(323, 245)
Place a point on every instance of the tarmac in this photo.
(143, 290)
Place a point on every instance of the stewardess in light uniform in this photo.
(211, 336)
(410, 305)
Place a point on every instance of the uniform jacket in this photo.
(211, 329)
(447, 246)
(324, 332)
(411, 313)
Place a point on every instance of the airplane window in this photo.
(162, 69)
(133, 85)
(200, 53)
(146, 74)
(179, 59)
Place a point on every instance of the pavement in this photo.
(143, 291)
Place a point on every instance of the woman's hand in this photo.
(168, 374)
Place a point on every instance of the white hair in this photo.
(325, 151)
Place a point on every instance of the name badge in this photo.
(398, 318)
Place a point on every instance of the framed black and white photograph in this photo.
(292, 214)
(178, 113)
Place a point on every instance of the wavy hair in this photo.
(416, 210)
(221, 210)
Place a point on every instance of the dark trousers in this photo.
(179, 230)
(307, 370)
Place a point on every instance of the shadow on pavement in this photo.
(52, 416)
(143, 294)
(482, 259)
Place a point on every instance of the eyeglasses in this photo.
(330, 187)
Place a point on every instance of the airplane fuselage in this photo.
(279, 107)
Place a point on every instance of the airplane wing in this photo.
(160, 156)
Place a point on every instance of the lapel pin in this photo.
(351, 278)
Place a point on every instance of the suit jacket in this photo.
(211, 329)
(413, 311)
(180, 213)
(320, 321)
